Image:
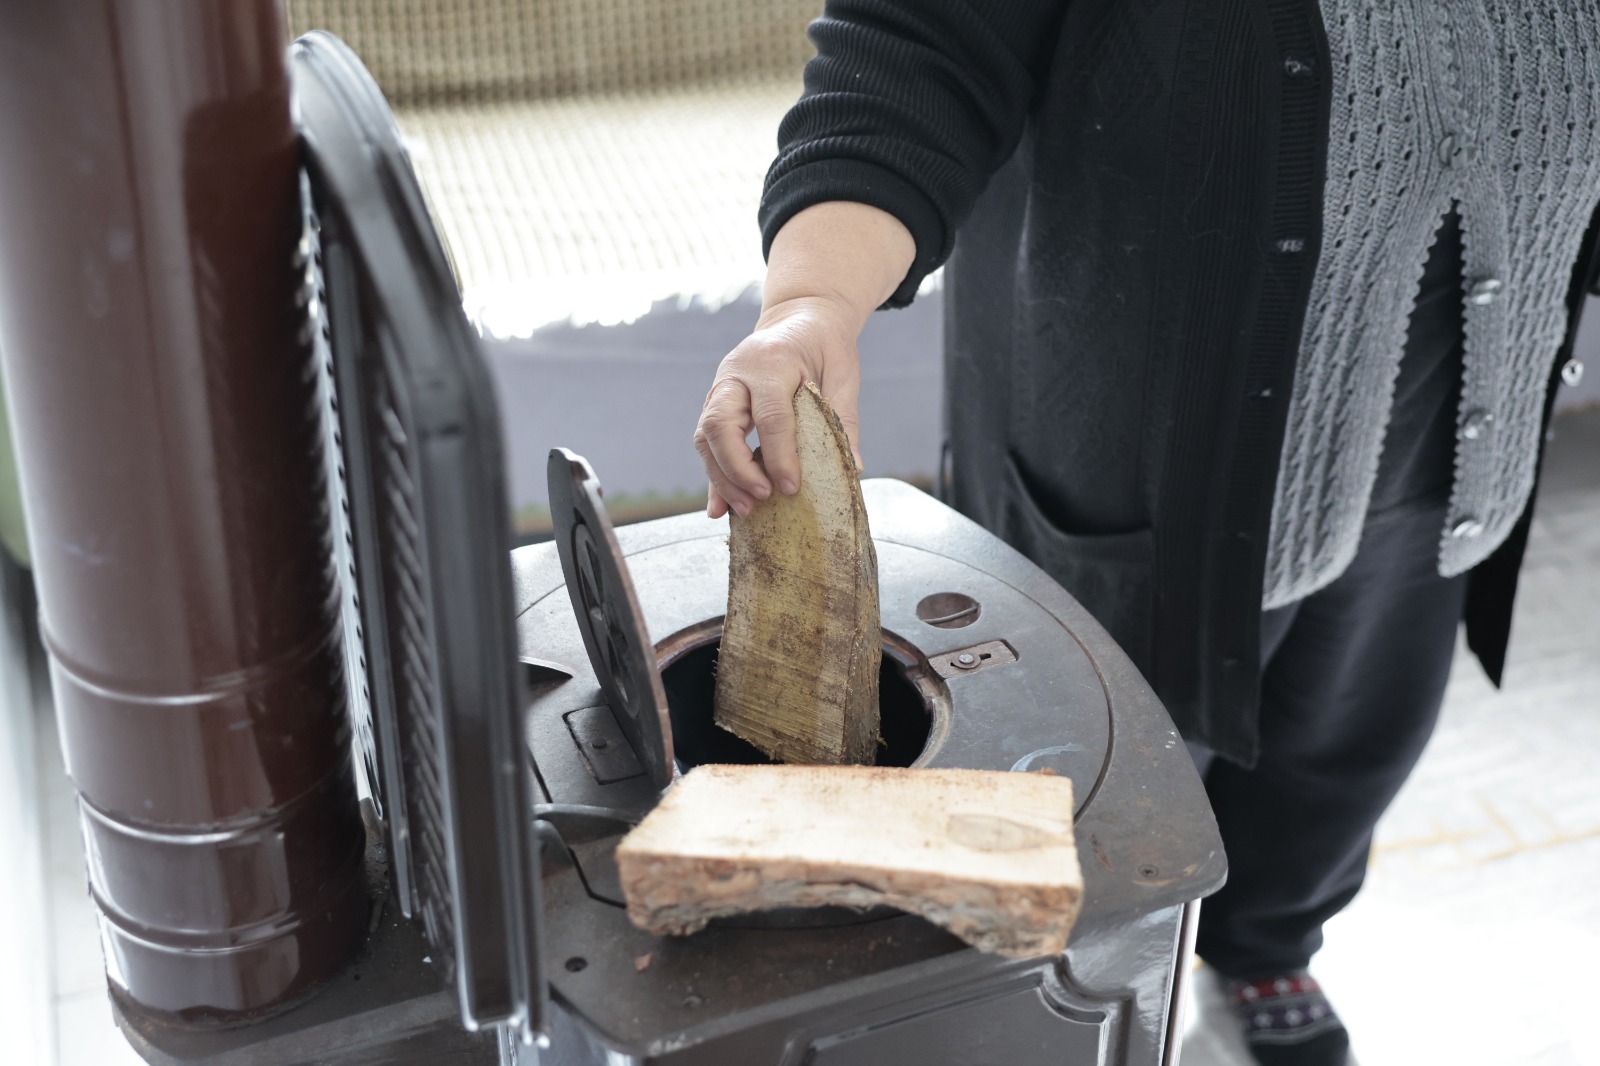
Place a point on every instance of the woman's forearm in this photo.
(849, 254)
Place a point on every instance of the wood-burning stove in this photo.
(528, 713)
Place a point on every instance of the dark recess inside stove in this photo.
(905, 707)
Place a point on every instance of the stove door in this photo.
(431, 547)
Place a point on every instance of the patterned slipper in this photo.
(1287, 1021)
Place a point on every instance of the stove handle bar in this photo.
(582, 823)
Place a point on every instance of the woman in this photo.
(1252, 328)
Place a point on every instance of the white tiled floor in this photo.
(1477, 939)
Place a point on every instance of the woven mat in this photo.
(591, 208)
(430, 52)
(585, 158)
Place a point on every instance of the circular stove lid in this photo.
(613, 627)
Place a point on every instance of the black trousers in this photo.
(1353, 678)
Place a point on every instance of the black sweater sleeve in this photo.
(910, 106)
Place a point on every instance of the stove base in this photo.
(1112, 1001)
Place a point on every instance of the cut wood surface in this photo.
(988, 855)
(797, 671)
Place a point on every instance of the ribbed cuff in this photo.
(866, 183)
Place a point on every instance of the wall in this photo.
(626, 397)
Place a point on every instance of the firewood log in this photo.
(797, 670)
(988, 855)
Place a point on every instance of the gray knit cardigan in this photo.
(1493, 105)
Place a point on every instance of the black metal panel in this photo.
(431, 532)
(1027, 1019)
(603, 601)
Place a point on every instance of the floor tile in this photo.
(1475, 938)
(86, 1035)
(75, 937)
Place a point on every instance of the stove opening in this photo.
(907, 692)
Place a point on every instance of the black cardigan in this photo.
(1138, 188)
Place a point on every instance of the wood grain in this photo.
(797, 670)
(988, 855)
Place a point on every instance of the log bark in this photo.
(988, 855)
(797, 670)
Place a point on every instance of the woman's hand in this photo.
(828, 268)
(805, 339)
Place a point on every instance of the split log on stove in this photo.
(798, 669)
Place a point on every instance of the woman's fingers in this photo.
(716, 506)
(724, 494)
(720, 440)
(772, 406)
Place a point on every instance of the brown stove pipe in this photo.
(167, 429)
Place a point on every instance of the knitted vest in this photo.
(1493, 105)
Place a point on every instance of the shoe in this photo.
(1287, 1021)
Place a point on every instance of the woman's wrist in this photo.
(841, 258)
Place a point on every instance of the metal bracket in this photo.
(603, 745)
(613, 626)
(963, 661)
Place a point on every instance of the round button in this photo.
(1484, 291)
(1572, 372)
(1466, 527)
(1455, 149)
(1476, 424)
